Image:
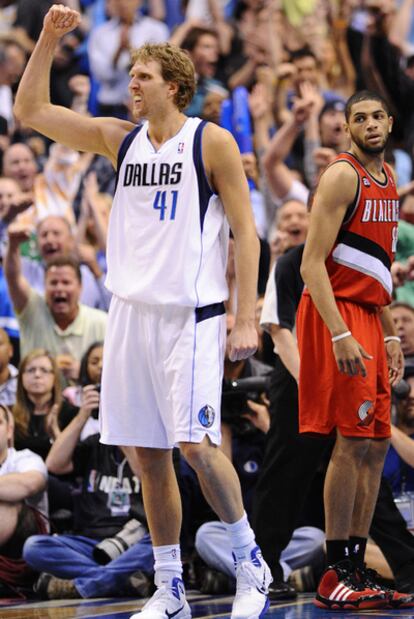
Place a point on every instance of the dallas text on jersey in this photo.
(152, 175)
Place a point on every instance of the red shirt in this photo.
(359, 264)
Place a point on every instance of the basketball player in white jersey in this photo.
(179, 182)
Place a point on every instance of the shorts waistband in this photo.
(208, 311)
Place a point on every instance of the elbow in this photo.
(20, 111)
(304, 272)
(35, 485)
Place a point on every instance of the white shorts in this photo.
(162, 374)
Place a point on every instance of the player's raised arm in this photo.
(33, 106)
(224, 166)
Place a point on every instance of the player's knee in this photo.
(152, 460)
(378, 449)
(352, 448)
(198, 455)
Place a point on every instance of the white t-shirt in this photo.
(23, 461)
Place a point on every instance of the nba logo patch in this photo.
(180, 148)
(366, 181)
(206, 416)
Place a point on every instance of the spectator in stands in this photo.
(403, 315)
(8, 373)
(109, 57)
(55, 239)
(23, 506)
(203, 46)
(399, 463)
(40, 413)
(110, 497)
(57, 321)
(19, 163)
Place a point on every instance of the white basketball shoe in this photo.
(253, 580)
(166, 603)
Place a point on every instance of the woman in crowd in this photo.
(40, 412)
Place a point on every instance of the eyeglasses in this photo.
(43, 371)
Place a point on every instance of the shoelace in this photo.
(249, 579)
(350, 579)
(369, 578)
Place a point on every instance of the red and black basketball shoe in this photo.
(394, 599)
(340, 589)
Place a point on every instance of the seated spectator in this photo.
(57, 321)
(109, 498)
(23, 507)
(109, 53)
(403, 315)
(54, 239)
(8, 373)
(399, 463)
(90, 373)
(40, 413)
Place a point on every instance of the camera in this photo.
(235, 394)
(112, 547)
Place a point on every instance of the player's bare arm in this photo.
(336, 190)
(33, 106)
(225, 170)
(287, 349)
(395, 357)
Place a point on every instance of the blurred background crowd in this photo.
(277, 74)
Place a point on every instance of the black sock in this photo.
(357, 546)
(336, 550)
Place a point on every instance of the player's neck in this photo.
(372, 162)
(163, 128)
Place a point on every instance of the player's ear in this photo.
(390, 123)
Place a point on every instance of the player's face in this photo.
(148, 89)
(369, 126)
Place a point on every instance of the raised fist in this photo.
(60, 19)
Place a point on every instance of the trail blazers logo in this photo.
(365, 417)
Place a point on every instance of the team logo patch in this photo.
(365, 417)
(206, 416)
(180, 148)
(366, 182)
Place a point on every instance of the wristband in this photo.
(392, 338)
(341, 336)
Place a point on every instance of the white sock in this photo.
(167, 564)
(242, 539)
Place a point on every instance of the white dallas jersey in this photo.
(168, 234)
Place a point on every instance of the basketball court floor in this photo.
(202, 606)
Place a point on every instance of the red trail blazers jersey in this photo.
(360, 261)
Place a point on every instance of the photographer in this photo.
(108, 507)
(399, 463)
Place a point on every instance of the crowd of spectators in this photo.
(276, 73)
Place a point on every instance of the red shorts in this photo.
(356, 406)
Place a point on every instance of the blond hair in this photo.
(176, 66)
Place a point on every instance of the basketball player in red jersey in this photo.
(350, 353)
